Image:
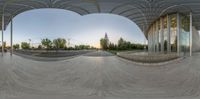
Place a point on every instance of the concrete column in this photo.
(169, 34)
(162, 35)
(143, 30)
(2, 39)
(11, 37)
(153, 34)
(157, 36)
(191, 33)
(148, 42)
(178, 34)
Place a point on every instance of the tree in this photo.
(5, 47)
(47, 43)
(112, 46)
(121, 44)
(174, 45)
(59, 43)
(81, 47)
(4, 44)
(39, 46)
(16, 46)
(104, 42)
(25, 45)
(128, 45)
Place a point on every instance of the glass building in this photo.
(170, 33)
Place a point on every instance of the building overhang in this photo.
(142, 12)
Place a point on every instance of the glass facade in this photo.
(163, 34)
(185, 35)
(159, 36)
(173, 31)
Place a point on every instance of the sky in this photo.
(57, 23)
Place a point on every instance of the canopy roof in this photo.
(142, 12)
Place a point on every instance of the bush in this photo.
(25, 45)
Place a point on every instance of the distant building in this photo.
(107, 39)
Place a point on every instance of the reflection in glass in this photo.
(173, 29)
(165, 34)
(157, 35)
(184, 35)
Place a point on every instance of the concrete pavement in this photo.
(99, 77)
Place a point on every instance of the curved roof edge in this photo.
(142, 12)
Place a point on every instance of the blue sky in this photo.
(87, 29)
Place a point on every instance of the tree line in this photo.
(56, 44)
(121, 45)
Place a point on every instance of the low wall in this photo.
(52, 54)
(148, 58)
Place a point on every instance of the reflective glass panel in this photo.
(184, 35)
(165, 33)
(173, 30)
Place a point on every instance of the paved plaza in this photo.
(103, 76)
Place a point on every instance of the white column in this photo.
(178, 34)
(191, 33)
(144, 38)
(162, 34)
(156, 35)
(2, 41)
(148, 42)
(11, 36)
(154, 40)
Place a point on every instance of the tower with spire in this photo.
(107, 39)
